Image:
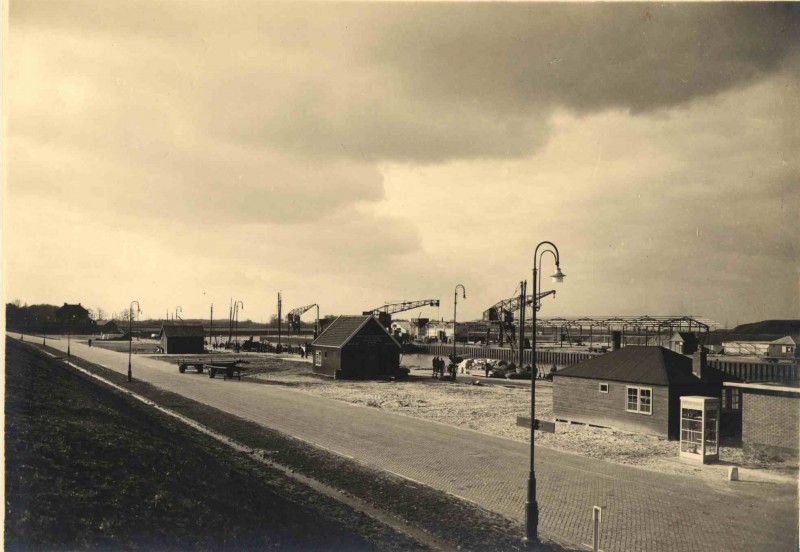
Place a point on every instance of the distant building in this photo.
(770, 417)
(183, 338)
(74, 318)
(784, 348)
(356, 347)
(401, 328)
(747, 346)
(107, 327)
(636, 388)
(684, 343)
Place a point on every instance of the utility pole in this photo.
(523, 286)
(230, 324)
(279, 322)
(211, 329)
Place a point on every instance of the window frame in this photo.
(638, 410)
(600, 387)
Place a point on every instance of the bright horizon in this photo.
(356, 154)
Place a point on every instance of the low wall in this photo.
(746, 371)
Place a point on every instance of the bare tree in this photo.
(101, 314)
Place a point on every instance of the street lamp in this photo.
(455, 304)
(177, 310)
(130, 335)
(69, 334)
(531, 507)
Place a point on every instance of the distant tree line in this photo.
(46, 318)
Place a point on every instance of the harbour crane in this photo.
(293, 317)
(384, 313)
(502, 313)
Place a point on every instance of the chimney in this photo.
(700, 364)
(616, 340)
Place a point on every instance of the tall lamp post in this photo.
(130, 335)
(531, 507)
(455, 305)
(69, 334)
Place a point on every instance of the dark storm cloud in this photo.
(638, 56)
(432, 82)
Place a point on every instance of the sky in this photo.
(352, 154)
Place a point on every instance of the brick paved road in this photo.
(644, 510)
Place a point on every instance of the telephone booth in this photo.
(700, 429)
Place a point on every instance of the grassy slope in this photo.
(86, 468)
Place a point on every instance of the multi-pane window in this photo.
(730, 399)
(633, 400)
(639, 399)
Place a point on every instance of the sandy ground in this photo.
(493, 409)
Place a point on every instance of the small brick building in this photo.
(635, 388)
(770, 417)
(184, 338)
(356, 347)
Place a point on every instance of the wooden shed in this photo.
(356, 347)
(684, 343)
(185, 338)
(635, 388)
(784, 348)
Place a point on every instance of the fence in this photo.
(756, 371)
(747, 371)
(561, 359)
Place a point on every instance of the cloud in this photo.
(376, 152)
(412, 82)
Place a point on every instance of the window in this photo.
(318, 360)
(603, 388)
(730, 399)
(639, 399)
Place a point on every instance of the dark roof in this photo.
(183, 330)
(636, 364)
(343, 328)
(787, 340)
(72, 310)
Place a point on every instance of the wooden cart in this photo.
(229, 369)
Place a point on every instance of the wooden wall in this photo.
(579, 400)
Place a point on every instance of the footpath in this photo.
(643, 510)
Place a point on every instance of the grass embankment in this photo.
(88, 468)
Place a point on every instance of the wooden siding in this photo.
(183, 345)
(330, 360)
(579, 400)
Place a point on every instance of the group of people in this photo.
(438, 366)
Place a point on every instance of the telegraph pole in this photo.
(523, 286)
(279, 322)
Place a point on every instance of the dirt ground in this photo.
(492, 407)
